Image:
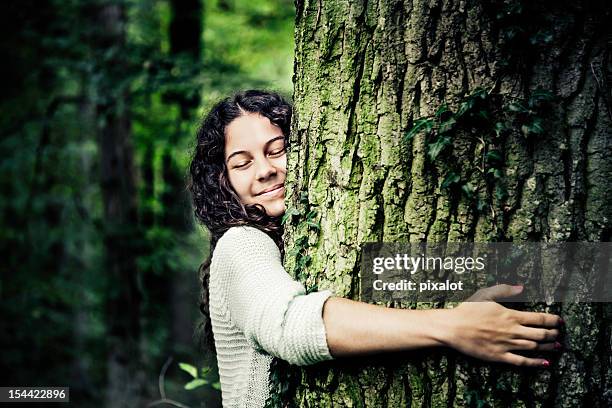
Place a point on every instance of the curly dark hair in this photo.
(216, 204)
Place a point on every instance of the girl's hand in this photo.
(484, 329)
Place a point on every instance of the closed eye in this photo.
(241, 164)
(277, 152)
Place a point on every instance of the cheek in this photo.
(239, 182)
(281, 163)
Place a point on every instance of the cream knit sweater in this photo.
(258, 311)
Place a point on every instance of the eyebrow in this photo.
(274, 139)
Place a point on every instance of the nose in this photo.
(265, 169)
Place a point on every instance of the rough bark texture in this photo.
(365, 71)
(117, 180)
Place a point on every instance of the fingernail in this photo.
(518, 287)
(546, 363)
(561, 321)
(558, 346)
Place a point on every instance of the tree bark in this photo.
(185, 41)
(365, 72)
(125, 377)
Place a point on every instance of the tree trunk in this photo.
(185, 42)
(365, 73)
(124, 369)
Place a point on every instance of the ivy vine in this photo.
(487, 117)
(284, 377)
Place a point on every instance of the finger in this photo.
(522, 361)
(520, 344)
(539, 319)
(535, 334)
(502, 291)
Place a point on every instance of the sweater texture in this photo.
(258, 311)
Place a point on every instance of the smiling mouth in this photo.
(274, 190)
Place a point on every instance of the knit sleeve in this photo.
(264, 302)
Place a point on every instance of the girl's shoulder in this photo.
(245, 238)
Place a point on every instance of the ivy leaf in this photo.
(313, 225)
(517, 107)
(436, 148)
(481, 205)
(442, 110)
(479, 93)
(499, 128)
(525, 130)
(311, 215)
(536, 126)
(198, 382)
(289, 213)
(465, 106)
(494, 156)
(419, 126)
(447, 125)
(304, 197)
(216, 385)
(189, 369)
(303, 261)
(501, 193)
(484, 114)
(468, 190)
(450, 179)
(538, 96)
(541, 37)
(495, 172)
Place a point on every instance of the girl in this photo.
(257, 311)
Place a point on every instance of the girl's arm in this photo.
(482, 329)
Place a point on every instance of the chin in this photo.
(276, 209)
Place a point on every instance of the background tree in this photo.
(99, 282)
(451, 121)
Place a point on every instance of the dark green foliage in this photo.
(486, 118)
(62, 82)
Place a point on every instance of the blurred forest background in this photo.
(100, 102)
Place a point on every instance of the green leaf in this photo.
(188, 368)
(479, 93)
(301, 242)
(465, 106)
(494, 156)
(450, 179)
(198, 382)
(468, 190)
(289, 213)
(496, 173)
(517, 107)
(501, 193)
(313, 225)
(311, 215)
(436, 148)
(304, 197)
(303, 261)
(538, 96)
(447, 125)
(442, 110)
(216, 385)
(536, 126)
(484, 114)
(481, 205)
(420, 125)
(499, 128)
(525, 130)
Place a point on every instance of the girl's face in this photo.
(256, 162)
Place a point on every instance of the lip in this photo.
(272, 190)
